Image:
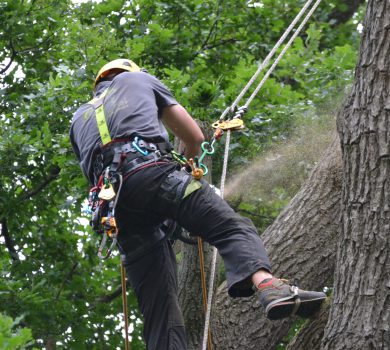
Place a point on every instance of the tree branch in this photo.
(212, 28)
(67, 278)
(13, 54)
(205, 45)
(110, 297)
(51, 177)
(9, 243)
(252, 213)
(214, 45)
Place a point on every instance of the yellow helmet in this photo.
(120, 63)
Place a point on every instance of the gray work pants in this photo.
(149, 197)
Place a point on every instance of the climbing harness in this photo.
(235, 123)
(115, 162)
(102, 203)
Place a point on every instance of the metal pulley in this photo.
(231, 124)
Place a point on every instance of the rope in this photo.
(227, 142)
(215, 251)
(282, 53)
(266, 60)
(203, 282)
(124, 304)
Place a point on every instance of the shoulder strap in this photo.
(101, 121)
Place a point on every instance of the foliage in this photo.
(205, 51)
(13, 337)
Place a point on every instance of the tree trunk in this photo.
(301, 244)
(190, 292)
(360, 314)
(310, 335)
(50, 343)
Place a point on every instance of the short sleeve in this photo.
(163, 95)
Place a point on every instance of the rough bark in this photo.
(190, 292)
(301, 244)
(360, 314)
(310, 335)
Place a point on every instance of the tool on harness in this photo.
(102, 202)
(137, 144)
(107, 192)
(197, 172)
(179, 158)
(108, 225)
(110, 230)
(115, 161)
(195, 166)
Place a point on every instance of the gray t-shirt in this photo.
(132, 105)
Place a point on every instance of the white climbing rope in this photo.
(266, 60)
(228, 133)
(215, 251)
(270, 70)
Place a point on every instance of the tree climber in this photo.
(122, 130)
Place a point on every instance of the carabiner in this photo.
(206, 151)
(179, 158)
(103, 244)
(138, 148)
(204, 168)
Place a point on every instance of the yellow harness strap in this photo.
(101, 121)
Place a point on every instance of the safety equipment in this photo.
(121, 63)
(97, 103)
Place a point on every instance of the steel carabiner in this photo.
(138, 148)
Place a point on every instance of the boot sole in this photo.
(284, 309)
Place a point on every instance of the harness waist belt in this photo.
(123, 154)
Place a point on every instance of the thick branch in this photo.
(110, 297)
(9, 241)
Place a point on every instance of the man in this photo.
(128, 117)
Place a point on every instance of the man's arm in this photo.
(178, 120)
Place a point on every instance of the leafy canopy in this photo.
(205, 51)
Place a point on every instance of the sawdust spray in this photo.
(284, 166)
